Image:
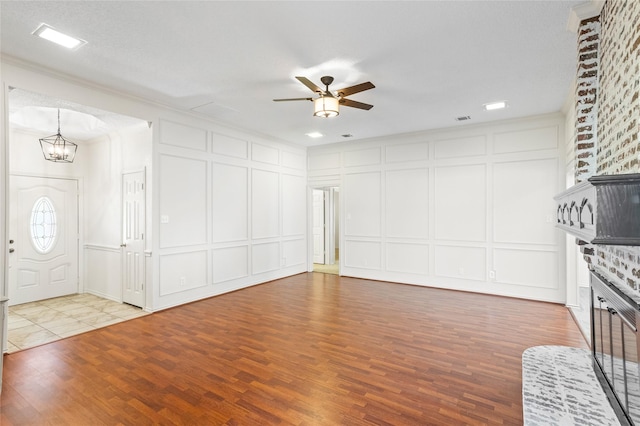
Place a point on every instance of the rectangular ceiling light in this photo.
(46, 32)
(495, 105)
(314, 135)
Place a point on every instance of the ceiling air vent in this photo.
(347, 135)
(463, 118)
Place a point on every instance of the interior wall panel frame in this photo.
(180, 272)
(229, 146)
(183, 136)
(177, 207)
(223, 257)
(362, 208)
(229, 203)
(265, 204)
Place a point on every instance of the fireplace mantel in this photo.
(603, 210)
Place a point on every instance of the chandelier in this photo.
(58, 149)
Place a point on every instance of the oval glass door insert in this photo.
(43, 225)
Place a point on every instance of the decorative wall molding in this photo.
(583, 11)
(102, 247)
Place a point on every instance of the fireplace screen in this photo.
(615, 345)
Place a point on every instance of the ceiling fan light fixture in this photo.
(326, 106)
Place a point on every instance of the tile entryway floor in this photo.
(327, 269)
(36, 323)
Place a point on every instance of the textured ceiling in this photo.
(431, 61)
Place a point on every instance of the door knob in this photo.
(123, 245)
(11, 250)
(10, 241)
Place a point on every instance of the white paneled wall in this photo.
(231, 211)
(469, 208)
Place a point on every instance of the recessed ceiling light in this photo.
(46, 32)
(314, 134)
(495, 105)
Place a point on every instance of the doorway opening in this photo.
(70, 215)
(326, 230)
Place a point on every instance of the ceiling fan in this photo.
(327, 104)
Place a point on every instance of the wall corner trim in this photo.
(583, 11)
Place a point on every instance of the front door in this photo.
(133, 225)
(43, 238)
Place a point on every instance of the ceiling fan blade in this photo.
(309, 84)
(293, 99)
(355, 89)
(355, 104)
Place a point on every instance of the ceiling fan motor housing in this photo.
(326, 80)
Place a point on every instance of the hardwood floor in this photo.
(312, 349)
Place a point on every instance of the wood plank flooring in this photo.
(312, 349)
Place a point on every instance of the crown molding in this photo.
(583, 11)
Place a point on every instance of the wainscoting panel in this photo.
(183, 201)
(522, 267)
(408, 258)
(229, 146)
(407, 203)
(461, 147)
(294, 196)
(407, 152)
(523, 211)
(294, 252)
(294, 160)
(182, 136)
(230, 203)
(362, 157)
(461, 262)
(103, 271)
(363, 254)
(182, 271)
(265, 257)
(324, 161)
(265, 220)
(362, 208)
(265, 154)
(526, 140)
(230, 263)
(461, 203)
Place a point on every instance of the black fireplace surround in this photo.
(605, 210)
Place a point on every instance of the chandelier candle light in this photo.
(58, 149)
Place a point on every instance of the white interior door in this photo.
(318, 226)
(133, 226)
(43, 238)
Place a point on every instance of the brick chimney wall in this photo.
(586, 99)
(618, 121)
